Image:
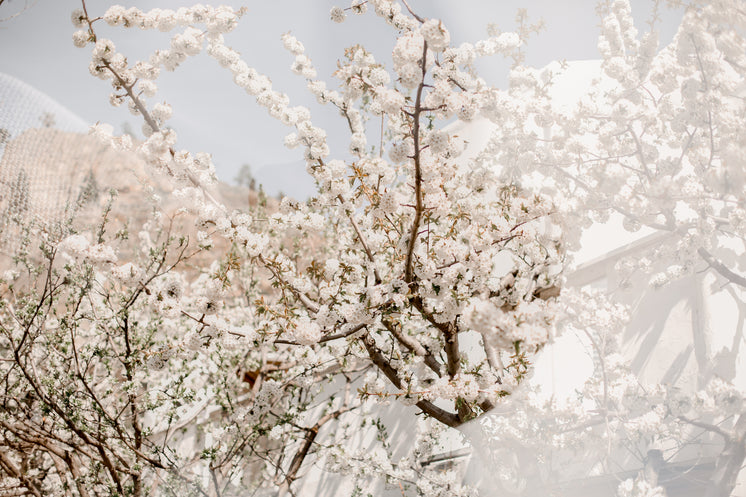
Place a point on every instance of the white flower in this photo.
(359, 6)
(331, 266)
(357, 143)
(401, 151)
(173, 289)
(408, 49)
(390, 101)
(256, 243)
(292, 44)
(337, 14)
(389, 202)
(74, 245)
(192, 341)
(435, 34)
(438, 141)
(161, 112)
(306, 332)
(103, 50)
(206, 305)
(78, 18)
(81, 38)
(156, 362)
(276, 432)
(410, 75)
(127, 274)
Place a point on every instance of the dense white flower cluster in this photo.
(306, 331)
(78, 247)
(655, 142)
(128, 274)
(435, 34)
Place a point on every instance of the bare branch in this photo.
(721, 268)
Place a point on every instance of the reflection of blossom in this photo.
(639, 488)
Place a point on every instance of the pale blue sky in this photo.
(212, 115)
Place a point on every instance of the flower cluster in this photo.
(654, 143)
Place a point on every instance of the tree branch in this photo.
(445, 417)
(414, 346)
(414, 230)
(707, 426)
(721, 268)
(13, 470)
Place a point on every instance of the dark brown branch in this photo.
(445, 417)
(311, 434)
(408, 267)
(451, 348)
(310, 437)
(326, 338)
(412, 12)
(450, 335)
(414, 346)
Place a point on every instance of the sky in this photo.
(212, 115)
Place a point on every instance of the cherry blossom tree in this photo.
(215, 351)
